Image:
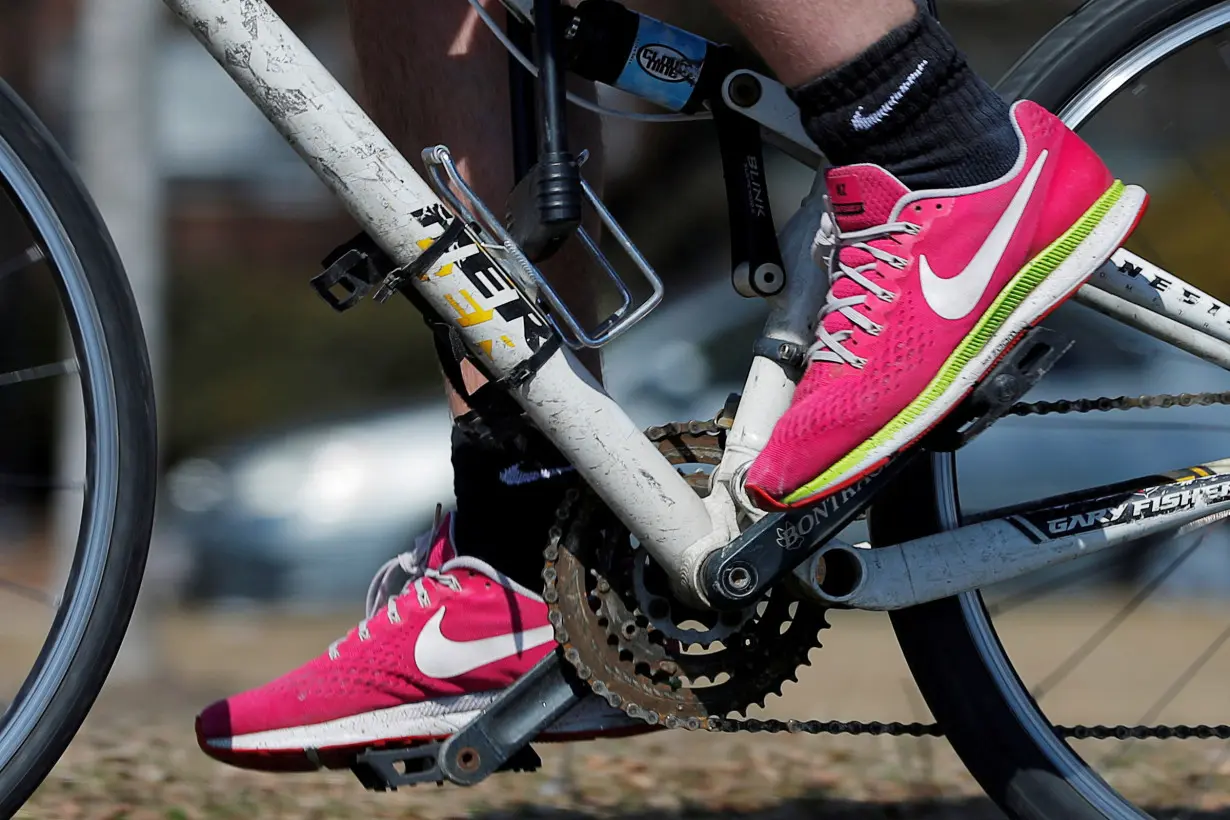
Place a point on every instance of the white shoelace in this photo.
(410, 565)
(829, 243)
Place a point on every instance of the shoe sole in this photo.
(335, 744)
(1044, 283)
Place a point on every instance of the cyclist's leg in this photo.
(433, 73)
(879, 81)
(891, 101)
(802, 39)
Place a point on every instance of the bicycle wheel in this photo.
(958, 659)
(56, 258)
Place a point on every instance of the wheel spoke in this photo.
(1201, 172)
(1095, 640)
(43, 371)
(1172, 692)
(27, 592)
(1185, 677)
(1084, 570)
(1137, 424)
(33, 482)
(30, 256)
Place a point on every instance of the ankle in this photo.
(507, 492)
(911, 104)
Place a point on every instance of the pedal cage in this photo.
(387, 770)
(359, 266)
(496, 740)
(1039, 349)
(446, 179)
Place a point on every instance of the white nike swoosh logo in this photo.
(866, 123)
(955, 297)
(438, 657)
(515, 476)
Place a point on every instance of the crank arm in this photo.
(1012, 543)
(775, 545)
(769, 549)
(767, 102)
(497, 740)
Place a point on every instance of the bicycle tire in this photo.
(998, 731)
(115, 375)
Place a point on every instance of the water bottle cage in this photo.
(444, 177)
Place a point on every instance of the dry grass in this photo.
(136, 758)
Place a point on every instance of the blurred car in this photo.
(309, 513)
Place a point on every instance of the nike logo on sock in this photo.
(957, 296)
(863, 122)
(442, 658)
(516, 475)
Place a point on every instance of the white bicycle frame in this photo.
(498, 323)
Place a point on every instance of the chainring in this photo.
(591, 573)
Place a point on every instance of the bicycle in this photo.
(753, 580)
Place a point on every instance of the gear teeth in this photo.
(585, 531)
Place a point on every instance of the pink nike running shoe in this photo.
(929, 289)
(421, 666)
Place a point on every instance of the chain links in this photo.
(1105, 404)
(896, 729)
(854, 727)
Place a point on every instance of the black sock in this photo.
(911, 104)
(507, 493)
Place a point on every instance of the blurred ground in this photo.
(136, 759)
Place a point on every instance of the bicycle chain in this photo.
(1079, 732)
(896, 729)
(622, 663)
(1105, 404)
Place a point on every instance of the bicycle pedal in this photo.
(356, 268)
(1017, 372)
(497, 740)
(350, 272)
(387, 770)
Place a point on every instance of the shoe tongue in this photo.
(483, 568)
(863, 196)
(442, 549)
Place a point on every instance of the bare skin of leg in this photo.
(433, 74)
(802, 39)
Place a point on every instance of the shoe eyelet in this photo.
(939, 206)
(918, 208)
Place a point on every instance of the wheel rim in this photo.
(101, 480)
(1075, 113)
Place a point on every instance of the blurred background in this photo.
(302, 448)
